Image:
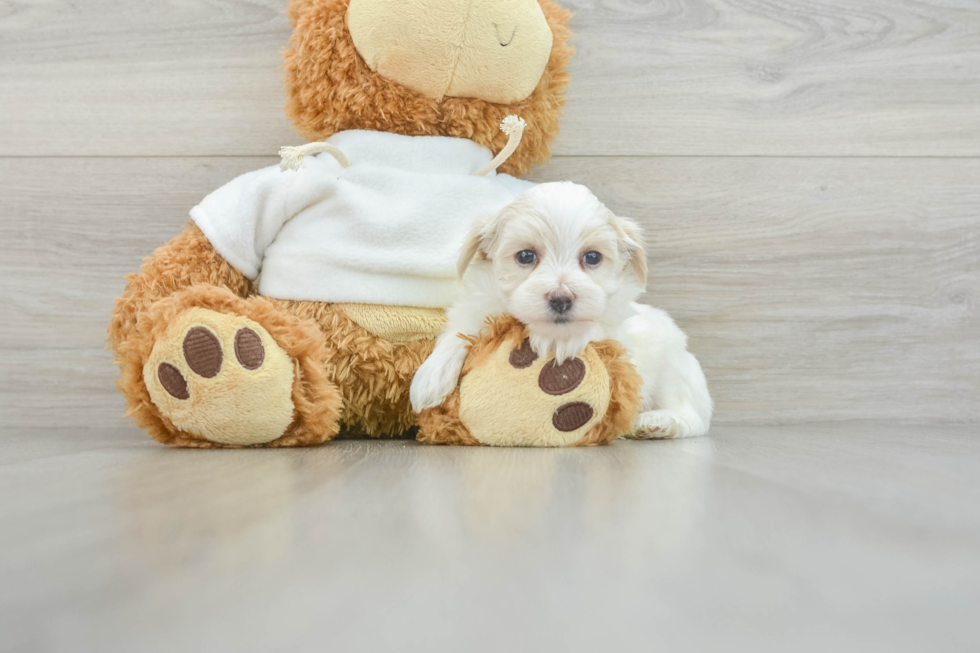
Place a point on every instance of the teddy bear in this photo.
(302, 298)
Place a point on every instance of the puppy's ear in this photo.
(631, 246)
(478, 242)
(470, 249)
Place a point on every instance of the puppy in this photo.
(564, 265)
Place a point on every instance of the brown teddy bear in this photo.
(302, 298)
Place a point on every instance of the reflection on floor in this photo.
(829, 537)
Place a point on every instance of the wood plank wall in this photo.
(808, 172)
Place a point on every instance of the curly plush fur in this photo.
(330, 88)
(372, 374)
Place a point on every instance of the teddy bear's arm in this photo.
(186, 260)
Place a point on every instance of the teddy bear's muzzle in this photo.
(492, 50)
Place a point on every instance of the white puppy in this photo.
(564, 265)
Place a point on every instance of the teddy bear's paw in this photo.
(518, 399)
(221, 377)
(510, 396)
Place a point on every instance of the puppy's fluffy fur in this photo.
(564, 265)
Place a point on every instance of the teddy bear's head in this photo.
(430, 67)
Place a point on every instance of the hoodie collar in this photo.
(421, 154)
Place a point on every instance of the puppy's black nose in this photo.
(560, 304)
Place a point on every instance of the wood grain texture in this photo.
(807, 539)
(812, 289)
(671, 77)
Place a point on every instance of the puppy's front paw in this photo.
(433, 382)
(570, 345)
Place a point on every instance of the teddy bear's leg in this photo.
(207, 365)
(238, 372)
(372, 371)
(187, 260)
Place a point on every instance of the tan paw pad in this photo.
(221, 377)
(517, 398)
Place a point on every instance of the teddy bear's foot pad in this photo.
(221, 377)
(510, 396)
(516, 398)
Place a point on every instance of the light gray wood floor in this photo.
(843, 537)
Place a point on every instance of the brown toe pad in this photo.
(202, 351)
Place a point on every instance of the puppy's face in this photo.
(558, 258)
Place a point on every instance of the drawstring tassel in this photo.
(514, 128)
(292, 157)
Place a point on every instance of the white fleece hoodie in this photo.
(386, 230)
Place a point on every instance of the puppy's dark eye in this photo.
(592, 259)
(527, 257)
